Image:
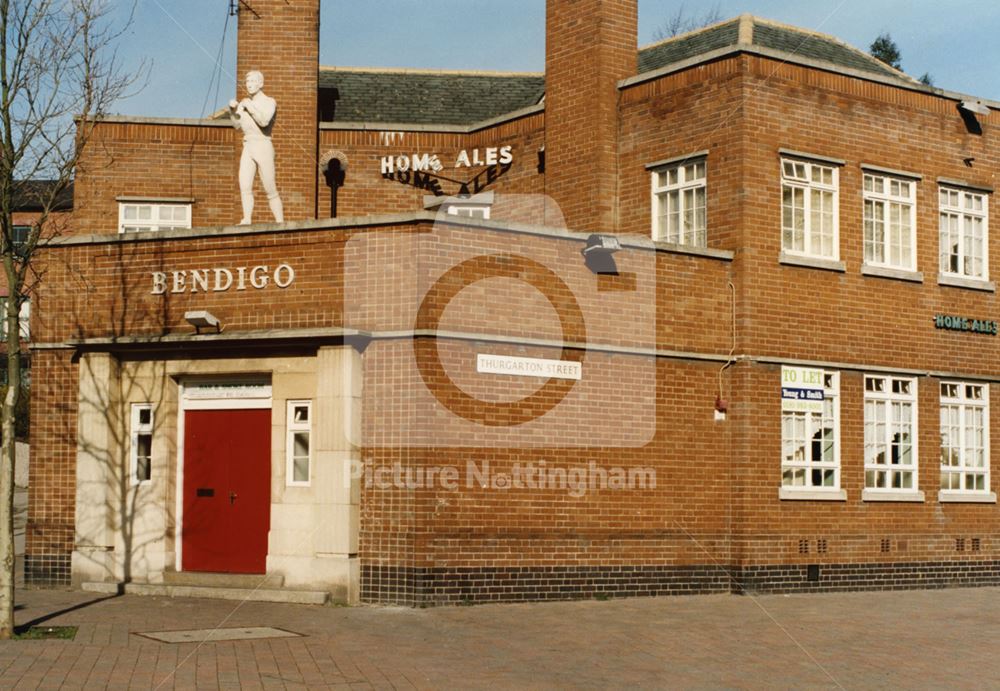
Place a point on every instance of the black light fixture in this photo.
(599, 253)
(969, 110)
(977, 107)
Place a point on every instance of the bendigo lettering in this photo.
(220, 280)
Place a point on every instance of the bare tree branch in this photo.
(681, 22)
(59, 74)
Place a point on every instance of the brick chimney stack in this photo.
(590, 45)
(281, 39)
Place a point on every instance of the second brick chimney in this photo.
(590, 45)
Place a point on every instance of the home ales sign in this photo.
(980, 326)
(423, 170)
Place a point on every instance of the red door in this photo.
(227, 490)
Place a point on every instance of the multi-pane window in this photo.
(679, 195)
(964, 224)
(809, 209)
(134, 217)
(141, 455)
(890, 235)
(299, 448)
(23, 319)
(810, 453)
(965, 453)
(890, 433)
(19, 238)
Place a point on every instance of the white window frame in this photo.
(137, 428)
(154, 222)
(23, 318)
(897, 393)
(960, 400)
(680, 202)
(889, 221)
(293, 427)
(19, 236)
(955, 241)
(797, 175)
(806, 468)
(480, 211)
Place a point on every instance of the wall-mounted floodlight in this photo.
(599, 253)
(203, 319)
(977, 107)
(607, 244)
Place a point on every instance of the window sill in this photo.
(946, 497)
(889, 495)
(793, 494)
(155, 200)
(970, 283)
(709, 252)
(812, 262)
(887, 272)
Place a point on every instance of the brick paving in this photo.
(854, 640)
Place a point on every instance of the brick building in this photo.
(746, 271)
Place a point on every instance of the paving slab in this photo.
(849, 640)
(240, 633)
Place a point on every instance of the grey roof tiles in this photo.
(464, 98)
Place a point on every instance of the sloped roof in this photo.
(366, 95)
(424, 97)
(763, 33)
(689, 45)
(32, 195)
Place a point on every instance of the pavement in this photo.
(910, 639)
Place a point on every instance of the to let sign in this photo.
(801, 390)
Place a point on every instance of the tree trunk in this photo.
(7, 454)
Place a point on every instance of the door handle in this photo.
(232, 498)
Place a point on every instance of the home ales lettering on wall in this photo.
(424, 170)
(953, 323)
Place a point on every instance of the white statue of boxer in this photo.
(255, 116)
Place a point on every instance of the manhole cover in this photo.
(243, 633)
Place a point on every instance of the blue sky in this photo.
(954, 40)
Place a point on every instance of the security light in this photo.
(599, 252)
(200, 319)
(602, 244)
(977, 107)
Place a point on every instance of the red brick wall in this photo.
(716, 502)
(366, 191)
(157, 160)
(699, 109)
(107, 293)
(199, 162)
(52, 473)
(871, 319)
(768, 531)
(803, 313)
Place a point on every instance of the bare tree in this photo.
(681, 21)
(58, 74)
